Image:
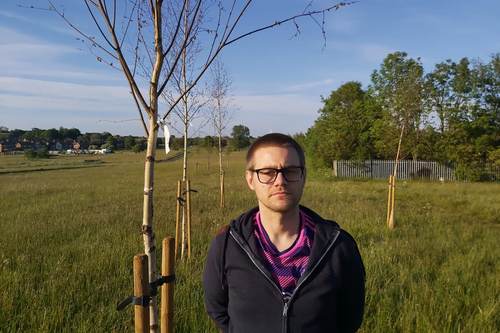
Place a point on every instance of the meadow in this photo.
(69, 231)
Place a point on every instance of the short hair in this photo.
(275, 140)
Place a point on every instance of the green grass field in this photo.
(69, 231)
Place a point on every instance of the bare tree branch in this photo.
(289, 19)
(77, 30)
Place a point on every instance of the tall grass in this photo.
(68, 236)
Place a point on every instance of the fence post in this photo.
(141, 288)
(335, 171)
(167, 290)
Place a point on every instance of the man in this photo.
(280, 267)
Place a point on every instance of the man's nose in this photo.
(280, 179)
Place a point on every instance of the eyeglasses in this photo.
(269, 175)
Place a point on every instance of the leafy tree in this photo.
(129, 142)
(160, 142)
(17, 133)
(105, 136)
(240, 137)
(93, 147)
(72, 133)
(208, 142)
(107, 146)
(3, 129)
(138, 147)
(50, 135)
(177, 143)
(95, 139)
(111, 142)
(343, 130)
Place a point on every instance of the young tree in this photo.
(141, 29)
(398, 87)
(221, 107)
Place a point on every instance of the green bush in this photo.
(42, 153)
(138, 147)
(108, 145)
(30, 154)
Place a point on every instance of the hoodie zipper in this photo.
(248, 252)
(244, 246)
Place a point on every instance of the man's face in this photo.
(280, 196)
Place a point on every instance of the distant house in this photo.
(40, 145)
(67, 144)
(25, 145)
(81, 144)
(7, 145)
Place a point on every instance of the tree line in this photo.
(451, 115)
(239, 139)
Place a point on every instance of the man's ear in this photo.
(249, 178)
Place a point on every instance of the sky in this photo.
(48, 80)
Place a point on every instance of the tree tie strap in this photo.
(142, 301)
(190, 190)
(153, 286)
(181, 201)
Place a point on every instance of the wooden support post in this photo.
(391, 220)
(179, 195)
(222, 189)
(167, 290)
(141, 288)
(389, 200)
(188, 202)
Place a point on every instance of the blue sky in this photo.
(46, 81)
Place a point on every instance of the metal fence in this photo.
(406, 170)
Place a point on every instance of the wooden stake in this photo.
(391, 220)
(389, 200)
(167, 290)
(188, 202)
(141, 288)
(222, 188)
(179, 193)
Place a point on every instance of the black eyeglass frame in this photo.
(277, 173)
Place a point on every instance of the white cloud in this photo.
(375, 53)
(62, 89)
(279, 104)
(309, 85)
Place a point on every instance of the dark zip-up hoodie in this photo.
(241, 295)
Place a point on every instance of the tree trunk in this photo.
(221, 170)
(184, 170)
(147, 218)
